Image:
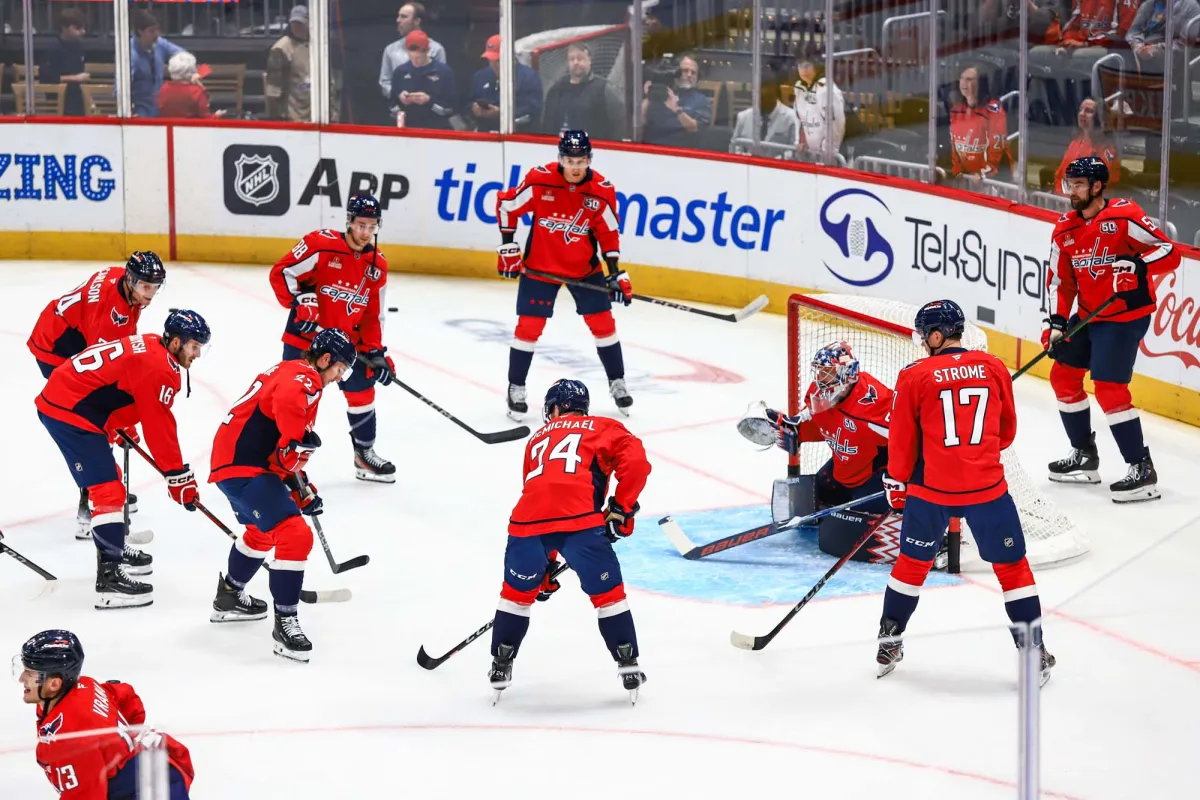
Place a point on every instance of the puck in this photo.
(393, 309)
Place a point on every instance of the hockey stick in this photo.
(427, 661)
(9, 551)
(354, 563)
(136, 537)
(759, 642)
(497, 437)
(1078, 327)
(692, 551)
(307, 596)
(756, 305)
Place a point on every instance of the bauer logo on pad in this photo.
(257, 180)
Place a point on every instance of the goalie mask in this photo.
(835, 371)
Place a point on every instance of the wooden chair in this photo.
(99, 100)
(19, 72)
(741, 97)
(48, 98)
(227, 81)
(713, 89)
(101, 72)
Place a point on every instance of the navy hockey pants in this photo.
(88, 454)
(123, 785)
(535, 298)
(995, 526)
(1106, 349)
(589, 553)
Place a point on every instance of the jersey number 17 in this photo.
(967, 396)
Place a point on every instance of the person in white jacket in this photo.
(813, 112)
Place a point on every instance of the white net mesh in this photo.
(546, 52)
(879, 332)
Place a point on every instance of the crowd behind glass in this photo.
(1018, 88)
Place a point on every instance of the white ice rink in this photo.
(803, 718)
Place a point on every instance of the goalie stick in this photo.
(427, 661)
(354, 563)
(755, 305)
(22, 559)
(495, 437)
(745, 642)
(306, 595)
(692, 551)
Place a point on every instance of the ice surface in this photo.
(803, 718)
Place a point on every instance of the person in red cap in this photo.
(423, 89)
(485, 93)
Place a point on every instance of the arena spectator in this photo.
(181, 96)
(1088, 32)
(821, 110)
(580, 101)
(1092, 140)
(680, 119)
(61, 60)
(410, 18)
(1148, 32)
(485, 94)
(978, 134)
(779, 130)
(288, 85)
(149, 52)
(423, 89)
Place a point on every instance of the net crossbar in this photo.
(879, 332)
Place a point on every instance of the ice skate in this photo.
(891, 647)
(136, 562)
(115, 589)
(83, 517)
(1139, 484)
(132, 503)
(369, 466)
(1081, 466)
(1048, 662)
(632, 677)
(235, 605)
(517, 405)
(620, 395)
(290, 641)
(500, 675)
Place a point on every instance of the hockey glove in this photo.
(383, 366)
(897, 492)
(1053, 333)
(181, 485)
(131, 431)
(305, 496)
(620, 290)
(618, 520)
(787, 429)
(1129, 273)
(508, 261)
(306, 312)
(294, 455)
(549, 585)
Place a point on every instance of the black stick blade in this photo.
(426, 661)
(354, 563)
(499, 437)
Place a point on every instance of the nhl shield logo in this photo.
(256, 179)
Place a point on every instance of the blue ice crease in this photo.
(780, 569)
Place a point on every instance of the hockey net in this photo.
(546, 53)
(879, 332)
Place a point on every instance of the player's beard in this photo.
(1080, 204)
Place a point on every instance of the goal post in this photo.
(879, 331)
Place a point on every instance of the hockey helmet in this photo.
(1090, 167)
(145, 266)
(187, 325)
(575, 144)
(943, 316)
(835, 370)
(52, 653)
(566, 395)
(363, 205)
(335, 343)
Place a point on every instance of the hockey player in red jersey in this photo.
(574, 224)
(1100, 249)
(258, 461)
(102, 765)
(952, 414)
(566, 471)
(111, 387)
(337, 280)
(104, 308)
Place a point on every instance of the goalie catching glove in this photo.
(766, 427)
(618, 520)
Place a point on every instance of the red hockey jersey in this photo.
(1082, 147)
(1082, 252)
(978, 139)
(279, 406)
(855, 430)
(567, 465)
(349, 287)
(1091, 21)
(952, 414)
(570, 221)
(79, 767)
(116, 385)
(95, 311)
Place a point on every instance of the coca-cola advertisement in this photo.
(1171, 349)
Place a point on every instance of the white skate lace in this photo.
(368, 455)
(291, 626)
(129, 552)
(617, 388)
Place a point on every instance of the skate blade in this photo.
(496, 695)
(114, 602)
(624, 411)
(1084, 476)
(517, 416)
(83, 534)
(1138, 496)
(299, 656)
(887, 669)
(1044, 679)
(235, 616)
(364, 475)
(139, 571)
